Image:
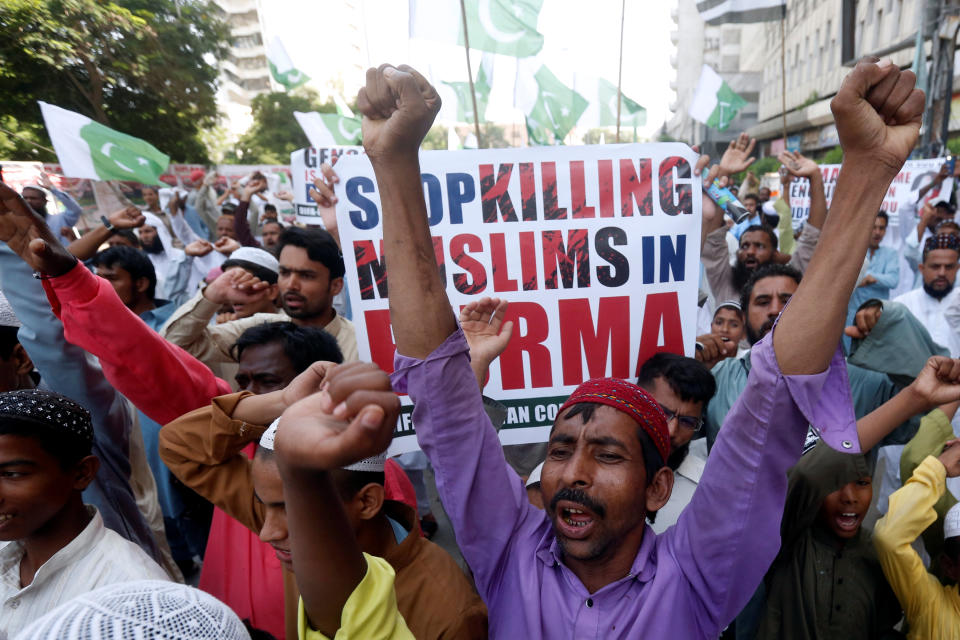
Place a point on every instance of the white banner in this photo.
(596, 248)
(304, 167)
(903, 192)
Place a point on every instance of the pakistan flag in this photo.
(481, 85)
(281, 67)
(714, 102)
(556, 110)
(631, 113)
(507, 27)
(88, 149)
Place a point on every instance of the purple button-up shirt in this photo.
(688, 582)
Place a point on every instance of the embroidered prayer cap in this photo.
(47, 410)
(7, 317)
(941, 241)
(268, 437)
(138, 610)
(951, 522)
(630, 399)
(253, 256)
(373, 464)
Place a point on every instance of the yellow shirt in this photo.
(370, 612)
(933, 610)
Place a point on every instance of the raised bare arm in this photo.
(878, 115)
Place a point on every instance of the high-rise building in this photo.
(245, 72)
(824, 39)
(733, 51)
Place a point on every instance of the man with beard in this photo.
(311, 274)
(758, 243)
(892, 346)
(588, 566)
(929, 302)
(171, 265)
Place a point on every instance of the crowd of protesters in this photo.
(191, 448)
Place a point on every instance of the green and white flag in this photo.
(482, 86)
(88, 149)
(631, 113)
(508, 27)
(281, 67)
(342, 108)
(555, 110)
(714, 102)
(328, 129)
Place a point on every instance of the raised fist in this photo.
(398, 107)
(878, 113)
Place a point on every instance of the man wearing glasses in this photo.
(682, 387)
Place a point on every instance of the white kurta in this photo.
(932, 314)
(95, 558)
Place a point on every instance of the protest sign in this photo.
(304, 167)
(596, 248)
(903, 191)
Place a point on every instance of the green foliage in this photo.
(139, 66)
(953, 145)
(833, 156)
(436, 139)
(275, 132)
(813, 97)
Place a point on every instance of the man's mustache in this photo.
(579, 497)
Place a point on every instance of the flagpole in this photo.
(783, 72)
(473, 92)
(623, 11)
(28, 141)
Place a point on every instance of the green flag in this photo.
(88, 149)
(555, 111)
(631, 113)
(281, 67)
(481, 85)
(714, 103)
(329, 129)
(508, 27)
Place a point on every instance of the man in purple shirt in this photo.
(588, 566)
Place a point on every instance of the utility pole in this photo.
(941, 19)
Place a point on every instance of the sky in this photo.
(581, 37)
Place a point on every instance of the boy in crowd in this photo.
(728, 322)
(56, 547)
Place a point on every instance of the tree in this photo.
(275, 132)
(144, 67)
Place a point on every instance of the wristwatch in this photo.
(106, 223)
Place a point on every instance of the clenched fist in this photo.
(398, 107)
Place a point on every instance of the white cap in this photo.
(534, 477)
(373, 464)
(255, 256)
(7, 317)
(136, 610)
(270, 435)
(951, 522)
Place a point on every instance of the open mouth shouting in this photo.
(848, 521)
(575, 514)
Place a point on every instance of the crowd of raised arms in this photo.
(190, 446)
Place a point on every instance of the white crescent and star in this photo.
(105, 150)
(486, 20)
(347, 134)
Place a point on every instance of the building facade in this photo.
(733, 51)
(245, 72)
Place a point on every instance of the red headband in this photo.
(632, 400)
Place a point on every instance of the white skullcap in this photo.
(255, 256)
(138, 610)
(534, 477)
(7, 317)
(373, 464)
(951, 522)
(268, 437)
